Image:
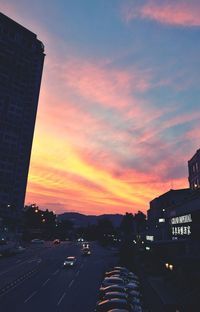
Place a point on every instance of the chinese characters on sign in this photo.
(181, 230)
(178, 229)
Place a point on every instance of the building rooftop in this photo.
(14, 29)
(195, 155)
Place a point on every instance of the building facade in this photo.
(158, 215)
(185, 221)
(21, 65)
(194, 171)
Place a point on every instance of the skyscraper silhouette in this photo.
(21, 65)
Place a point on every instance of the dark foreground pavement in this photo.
(36, 280)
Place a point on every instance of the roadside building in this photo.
(194, 171)
(159, 213)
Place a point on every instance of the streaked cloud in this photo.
(177, 13)
(117, 119)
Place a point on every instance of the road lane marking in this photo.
(18, 261)
(77, 273)
(59, 302)
(33, 294)
(56, 272)
(33, 260)
(46, 282)
(13, 267)
(16, 283)
(71, 283)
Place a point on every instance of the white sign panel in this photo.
(181, 230)
(182, 219)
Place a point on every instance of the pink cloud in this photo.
(103, 85)
(155, 130)
(178, 13)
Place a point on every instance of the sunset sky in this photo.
(119, 110)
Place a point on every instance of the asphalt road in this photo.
(36, 280)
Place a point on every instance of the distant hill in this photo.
(81, 220)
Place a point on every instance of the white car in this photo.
(69, 262)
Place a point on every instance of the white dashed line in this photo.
(18, 261)
(56, 272)
(71, 283)
(33, 294)
(59, 302)
(46, 282)
(77, 273)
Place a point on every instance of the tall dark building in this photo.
(194, 171)
(21, 64)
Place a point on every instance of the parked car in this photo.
(69, 262)
(110, 304)
(115, 272)
(104, 290)
(113, 281)
(133, 276)
(122, 269)
(37, 241)
(133, 293)
(125, 276)
(19, 249)
(132, 286)
(137, 308)
(115, 294)
(118, 310)
(3, 241)
(56, 241)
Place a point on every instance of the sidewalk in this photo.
(168, 294)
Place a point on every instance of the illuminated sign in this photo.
(182, 219)
(150, 238)
(161, 220)
(181, 230)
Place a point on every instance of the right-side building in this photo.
(21, 65)
(173, 219)
(194, 171)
